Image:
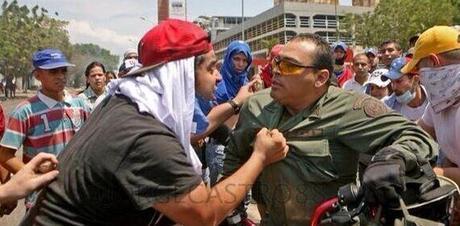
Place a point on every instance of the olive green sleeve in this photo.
(239, 147)
(363, 133)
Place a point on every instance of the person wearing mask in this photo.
(437, 59)
(96, 81)
(149, 170)
(409, 97)
(130, 60)
(361, 74)
(341, 72)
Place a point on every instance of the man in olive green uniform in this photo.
(326, 128)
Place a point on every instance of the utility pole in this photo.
(337, 30)
(242, 20)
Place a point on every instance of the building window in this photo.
(319, 21)
(289, 35)
(304, 21)
(290, 20)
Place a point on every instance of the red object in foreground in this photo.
(321, 209)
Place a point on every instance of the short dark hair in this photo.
(322, 58)
(93, 65)
(391, 41)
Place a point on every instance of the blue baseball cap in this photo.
(49, 59)
(341, 45)
(395, 68)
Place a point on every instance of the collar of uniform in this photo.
(314, 111)
(50, 102)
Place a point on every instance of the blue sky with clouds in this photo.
(117, 25)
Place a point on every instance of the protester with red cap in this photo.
(148, 170)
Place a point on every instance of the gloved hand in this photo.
(383, 179)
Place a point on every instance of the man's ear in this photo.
(35, 74)
(322, 77)
(435, 59)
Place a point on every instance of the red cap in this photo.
(171, 40)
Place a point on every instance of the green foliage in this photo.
(24, 30)
(84, 54)
(399, 20)
(268, 43)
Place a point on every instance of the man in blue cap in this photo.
(409, 96)
(341, 72)
(47, 121)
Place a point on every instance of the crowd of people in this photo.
(176, 137)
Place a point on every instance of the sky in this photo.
(117, 25)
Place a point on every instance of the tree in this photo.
(268, 43)
(23, 31)
(84, 54)
(399, 20)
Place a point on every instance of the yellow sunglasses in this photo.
(288, 68)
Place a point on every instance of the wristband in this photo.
(235, 106)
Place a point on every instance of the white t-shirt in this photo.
(414, 114)
(353, 85)
(446, 125)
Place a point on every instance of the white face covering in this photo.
(442, 85)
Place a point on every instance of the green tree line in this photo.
(399, 20)
(24, 30)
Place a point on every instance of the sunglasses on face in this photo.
(287, 67)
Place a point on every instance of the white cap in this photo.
(128, 52)
(376, 78)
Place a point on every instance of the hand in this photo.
(384, 181)
(35, 174)
(271, 146)
(244, 93)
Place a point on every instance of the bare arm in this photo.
(222, 112)
(34, 175)
(9, 160)
(204, 206)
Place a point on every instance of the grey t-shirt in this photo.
(115, 168)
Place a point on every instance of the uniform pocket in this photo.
(313, 160)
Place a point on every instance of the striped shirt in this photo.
(42, 124)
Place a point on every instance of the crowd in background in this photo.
(384, 109)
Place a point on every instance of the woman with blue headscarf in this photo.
(234, 71)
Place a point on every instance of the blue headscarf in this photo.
(232, 81)
(201, 110)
